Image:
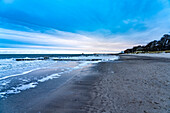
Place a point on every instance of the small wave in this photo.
(26, 72)
(85, 63)
(18, 89)
(99, 57)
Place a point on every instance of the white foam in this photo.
(18, 89)
(85, 63)
(11, 67)
(101, 57)
(4, 83)
(26, 72)
(2, 94)
(49, 77)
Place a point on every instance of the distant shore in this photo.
(133, 84)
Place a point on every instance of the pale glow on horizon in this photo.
(37, 51)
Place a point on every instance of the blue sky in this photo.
(76, 26)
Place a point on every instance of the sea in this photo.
(17, 76)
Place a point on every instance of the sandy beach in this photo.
(133, 84)
(138, 85)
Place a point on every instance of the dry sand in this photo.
(138, 85)
(160, 55)
(131, 85)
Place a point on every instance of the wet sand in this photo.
(133, 84)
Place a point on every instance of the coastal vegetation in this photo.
(162, 45)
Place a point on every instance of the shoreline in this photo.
(157, 55)
(134, 84)
(34, 100)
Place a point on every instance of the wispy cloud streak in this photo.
(71, 42)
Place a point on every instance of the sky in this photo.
(80, 26)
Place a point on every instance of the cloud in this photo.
(63, 41)
(130, 21)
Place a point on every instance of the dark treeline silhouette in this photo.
(161, 45)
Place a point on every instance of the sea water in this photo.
(15, 76)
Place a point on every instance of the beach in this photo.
(138, 85)
(159, 55)
(132, 84)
